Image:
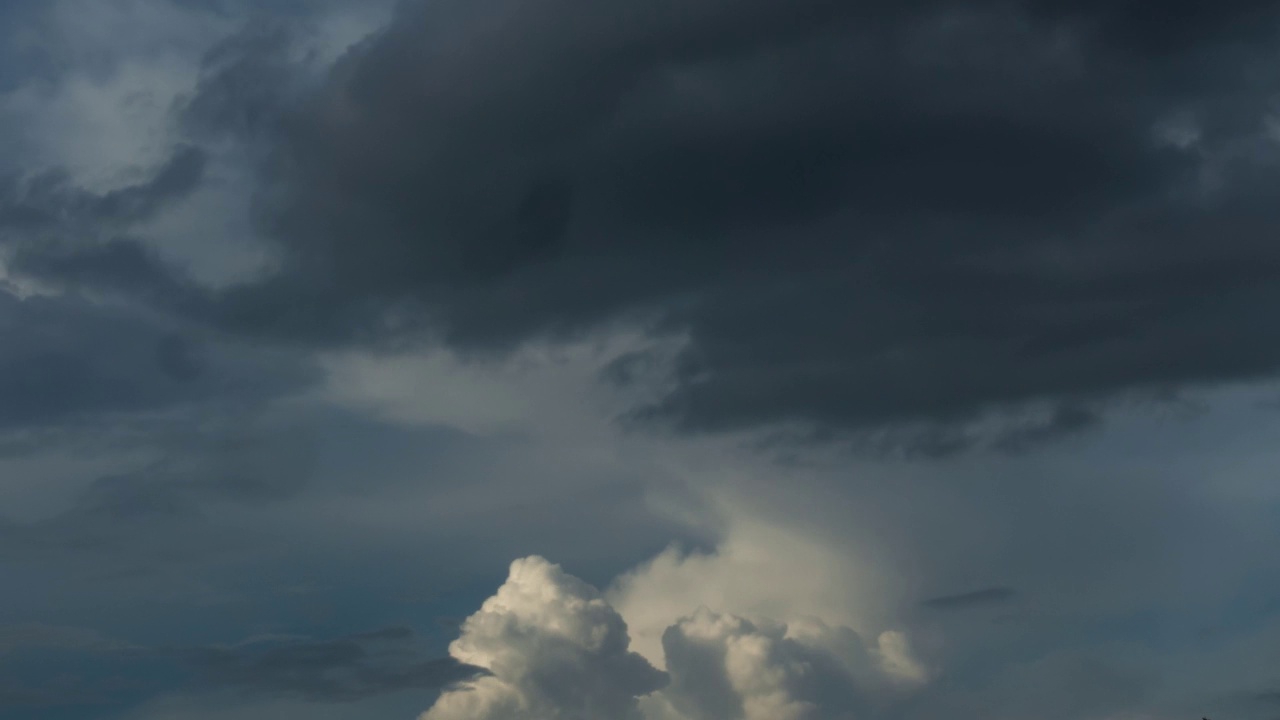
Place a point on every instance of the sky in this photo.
(621, 360)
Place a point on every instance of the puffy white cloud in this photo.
(557, 650)
(759, 570)
(724, 667)
(893, 651)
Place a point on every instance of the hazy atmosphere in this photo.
(639, 360)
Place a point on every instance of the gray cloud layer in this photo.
(340, 670)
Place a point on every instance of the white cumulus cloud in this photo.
(724, 667)
(557, 650)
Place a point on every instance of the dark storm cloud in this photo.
(70, 238)
(69, 356)
(1169, 26)
(977, 598)
(862, 215)
(50, 199)
(244, 81)
(159, 516)
(67, 360)
(116, 265)
(340, 670)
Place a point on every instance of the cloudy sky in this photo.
(623, 360)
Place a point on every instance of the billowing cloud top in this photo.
(558, 651)
(555, 649)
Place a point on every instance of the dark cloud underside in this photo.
(860, 214)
